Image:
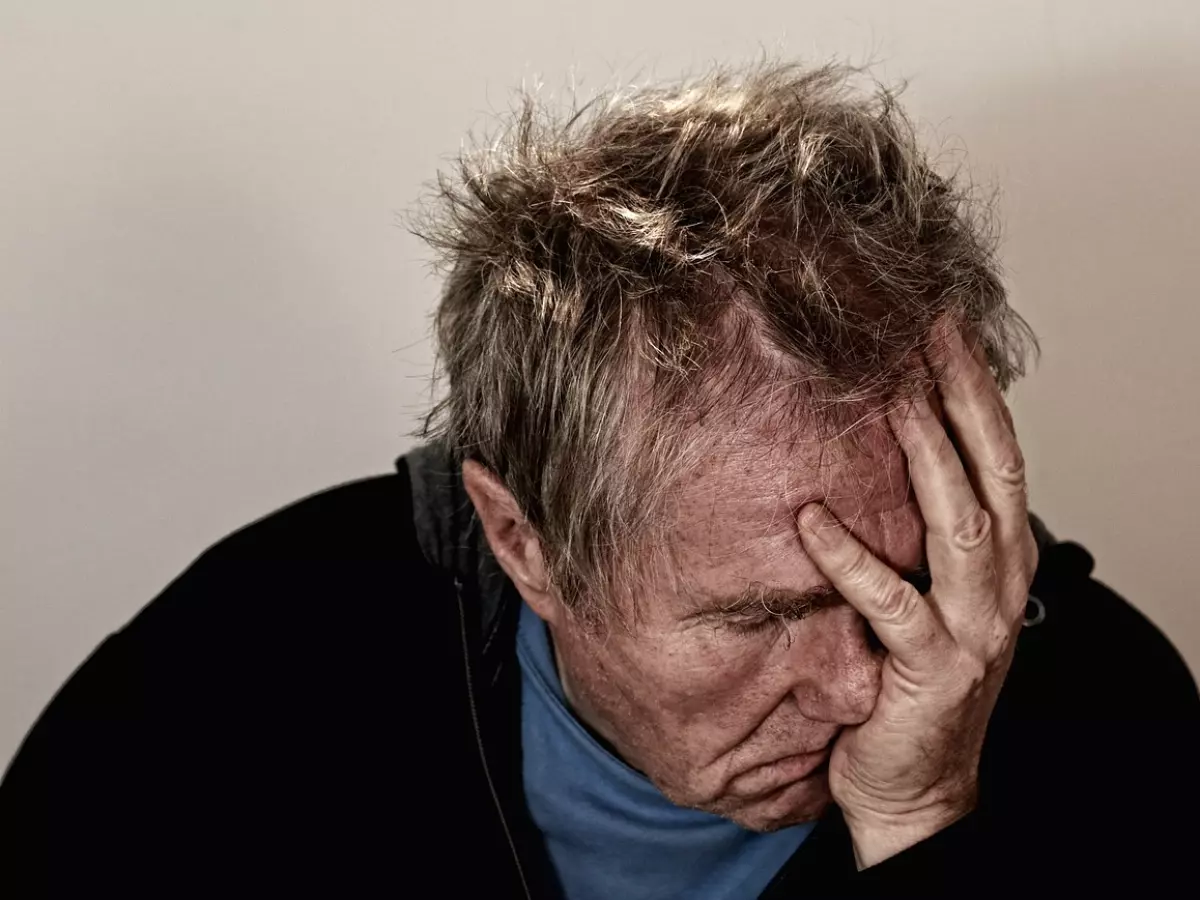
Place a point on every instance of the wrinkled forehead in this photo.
(733, 520)
(752, 476)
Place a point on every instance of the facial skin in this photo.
(733, 712)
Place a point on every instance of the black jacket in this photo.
(326, 703)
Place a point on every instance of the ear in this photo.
(513, 540)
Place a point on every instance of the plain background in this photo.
(209, 308)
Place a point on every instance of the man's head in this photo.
(668, 323)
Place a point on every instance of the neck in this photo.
(587, 718)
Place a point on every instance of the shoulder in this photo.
(279, 622)
(311, 594)
(357, 520)
(260, 707)
(319, 611)
(340, 553)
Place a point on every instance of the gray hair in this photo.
(623, 282)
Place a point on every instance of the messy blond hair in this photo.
(624, 281)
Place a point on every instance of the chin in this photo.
(801, 801)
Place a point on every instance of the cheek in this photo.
(695, 687)
(704, 670)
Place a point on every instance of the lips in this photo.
(770, 777)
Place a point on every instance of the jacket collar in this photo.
(452, 540)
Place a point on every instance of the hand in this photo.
(912, 768)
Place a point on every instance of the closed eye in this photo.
(760, 609)
(753, 623)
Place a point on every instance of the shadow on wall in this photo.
(1101, 202)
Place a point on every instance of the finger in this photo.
(958, 539)
(902, 619)
(983, 428)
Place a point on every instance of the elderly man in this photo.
(713, 578)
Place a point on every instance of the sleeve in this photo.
(947, 864)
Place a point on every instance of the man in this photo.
(714, 577)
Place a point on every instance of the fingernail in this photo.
(812, 520)
(903, 412)
(941, 346)
(950, 330)
(956, 345)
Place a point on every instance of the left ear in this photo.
(513, 540)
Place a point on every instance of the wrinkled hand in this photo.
(912, 768)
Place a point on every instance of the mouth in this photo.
(769, 778)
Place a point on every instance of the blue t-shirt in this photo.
(609, 831)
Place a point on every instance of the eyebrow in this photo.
(783, 601)
(759, 598)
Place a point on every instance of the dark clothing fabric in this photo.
(326, 703)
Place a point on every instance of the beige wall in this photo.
(208, 310)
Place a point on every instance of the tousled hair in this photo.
(627, 283)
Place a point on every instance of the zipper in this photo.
(487, 772)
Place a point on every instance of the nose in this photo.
(838, 673)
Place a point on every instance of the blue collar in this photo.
(608, 830)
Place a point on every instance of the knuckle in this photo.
(973, 673)
(1009, 470)
(974, 529)
(1031, 555)
(998, 639)
(858, 568)
(897, 600)
(977, 676)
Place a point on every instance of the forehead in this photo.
(746, 475)
(734, 518)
